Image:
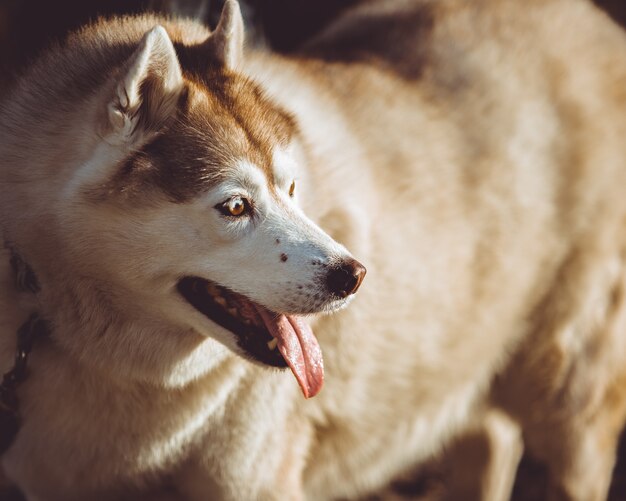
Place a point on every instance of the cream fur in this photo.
(479, 177)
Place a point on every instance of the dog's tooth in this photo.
(272, 344)
(221, 301)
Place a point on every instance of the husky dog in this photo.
(191, 213)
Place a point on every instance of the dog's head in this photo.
(186, 209)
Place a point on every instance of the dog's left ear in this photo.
(148, 91)
(226, 42)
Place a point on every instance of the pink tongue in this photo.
(299, 348)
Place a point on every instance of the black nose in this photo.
(346, 278)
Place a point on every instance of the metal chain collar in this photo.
(35, 327)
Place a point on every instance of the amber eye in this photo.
(236, 206)
(292, 188)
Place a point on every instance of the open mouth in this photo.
(264, 336)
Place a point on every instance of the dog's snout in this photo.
(346, 278)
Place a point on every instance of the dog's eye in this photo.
(292, 188)
(236, 206)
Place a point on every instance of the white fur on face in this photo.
(275, 255)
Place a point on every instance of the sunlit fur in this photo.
(470, 154)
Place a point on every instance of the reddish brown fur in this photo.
(220, 111)
(211, 121)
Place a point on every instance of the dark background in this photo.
(26, 26)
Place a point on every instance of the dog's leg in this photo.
(566, 384)
(482, 464)
(506, 444)
(479, 465)
(580, 451)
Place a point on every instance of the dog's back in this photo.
(489, 168)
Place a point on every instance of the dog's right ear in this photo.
(148, 90)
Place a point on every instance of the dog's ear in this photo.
(149, 87)
(226, 42)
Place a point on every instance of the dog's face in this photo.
(188, 210)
